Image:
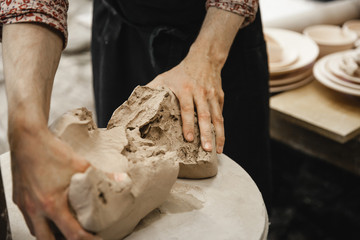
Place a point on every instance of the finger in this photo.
(187, 116)
(41, 228)
(70, 227)
(221, 100)
(26, 207)
(204, 118)
(55, 230)
(80, 164)
(218, 122)
(29, 223)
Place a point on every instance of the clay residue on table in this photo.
(183, 198)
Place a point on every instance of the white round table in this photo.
(227, 206)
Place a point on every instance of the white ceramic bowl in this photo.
(353, 25)
(331, 38)
(306, 50)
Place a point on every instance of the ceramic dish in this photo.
(333, 65)
(330, 84)
(324, 70)
(307, 48)
(289, 58)
(330, 35)
(277, 75)
(353, 25)
(275, 51)
(279, 54)
(291, 86)
(290, 78)
(331, 38)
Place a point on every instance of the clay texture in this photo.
(134, 161)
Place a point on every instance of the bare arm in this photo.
(31, 57)
(42, 165)
(196, 81)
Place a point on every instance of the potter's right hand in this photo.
(42, 166)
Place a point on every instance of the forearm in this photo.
(216, 36)
(31, 55)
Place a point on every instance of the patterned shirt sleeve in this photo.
(52, 13)
(245, 8)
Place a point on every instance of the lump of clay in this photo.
(134, 161)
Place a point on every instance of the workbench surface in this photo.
(228, 206)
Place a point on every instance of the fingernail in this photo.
(190, 136)
(207, 146)
(220, 149)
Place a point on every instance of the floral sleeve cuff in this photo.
(52, 13)
(245, 8)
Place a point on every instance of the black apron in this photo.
(135, 40)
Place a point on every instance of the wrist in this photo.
(216, 36)
(208, 54)
(23, 126)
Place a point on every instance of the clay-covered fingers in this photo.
(42, 230)
(187, 115)
(70, 227)
(28, 221)
(35, 221)
(204, 119)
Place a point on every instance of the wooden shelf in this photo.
(319, 122)
(322, 110)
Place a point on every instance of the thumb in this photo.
(80, 164)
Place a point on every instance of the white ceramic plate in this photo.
(306, 47)
(289, 58)
(274, 48)
(334, 65)
(290, 78)
(291, 86)
(330, 84)
(324, 69)
(279, 55)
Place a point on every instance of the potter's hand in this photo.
(197, 84)
(42, 166)
(196, 80)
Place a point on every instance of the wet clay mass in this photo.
(134, 161)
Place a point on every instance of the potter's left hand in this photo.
(196, 80)
(197, 85)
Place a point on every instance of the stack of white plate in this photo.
(330, 72)
(291, 58)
